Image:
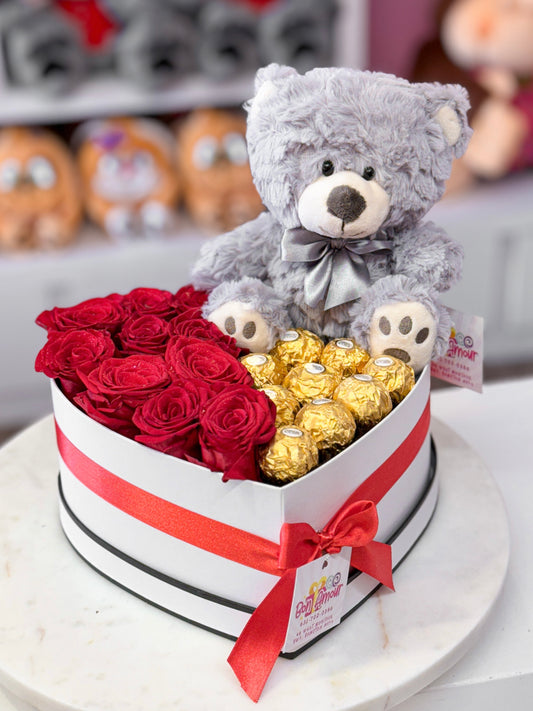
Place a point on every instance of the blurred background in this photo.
(122, 147)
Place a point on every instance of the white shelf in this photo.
(114, 95)
(108, 96)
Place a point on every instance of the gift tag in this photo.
(318, 598)
(462, 364)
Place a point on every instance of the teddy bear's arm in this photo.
(428, 255)
(243, 252)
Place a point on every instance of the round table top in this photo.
(69, 639)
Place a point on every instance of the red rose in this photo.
(110, 411)
(150, 301)
(169, 421)
(67, 352)
(144, 334)
(194, 358)
(206, 330)
(133, 379)
(188, 298)
(235, 422)
(104, 313)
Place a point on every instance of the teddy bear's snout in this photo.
(346, 203)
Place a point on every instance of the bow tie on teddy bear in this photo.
(339, 273)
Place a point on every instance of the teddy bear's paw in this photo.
(245, 324)
(405, 330)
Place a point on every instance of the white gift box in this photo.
(197, 584)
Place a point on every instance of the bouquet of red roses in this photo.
(148, 366)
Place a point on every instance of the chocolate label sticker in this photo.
(318, 598)
(462, 365)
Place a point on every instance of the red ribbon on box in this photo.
(355, 524)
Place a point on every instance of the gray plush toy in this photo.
(347, 163)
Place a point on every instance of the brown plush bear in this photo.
(130, 182)
(40, 204)
(487, 46)
(219, 193)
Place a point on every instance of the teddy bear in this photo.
(40, 196)
(347, 163)
(218, 191)
(486, 46)
(129, 177)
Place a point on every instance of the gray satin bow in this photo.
(339, 273)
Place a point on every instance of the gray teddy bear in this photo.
(347, 164)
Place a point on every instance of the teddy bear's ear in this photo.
(447, 105)
(272, 73)
(266, 79)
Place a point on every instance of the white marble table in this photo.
(498, 666)
(497, 673)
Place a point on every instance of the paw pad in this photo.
(404, 327)
(403, 330)
(245, 324)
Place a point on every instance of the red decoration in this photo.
(258, 5)
(95, 25)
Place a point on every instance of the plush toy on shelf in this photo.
(218, 191)
(486, 46)
(157, 43)
(41, 49)
(130, 183)
(347, 163)
(40, 203)
(228, 42)
(299, 33)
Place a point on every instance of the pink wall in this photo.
(397, 28)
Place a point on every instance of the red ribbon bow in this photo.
(355, 525)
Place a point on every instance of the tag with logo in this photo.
(462, 364)
(318, 598)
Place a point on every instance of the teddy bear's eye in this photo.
(328, 168)
(368, 173)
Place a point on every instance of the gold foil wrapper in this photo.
(345, 356)
(290, 455)
(264, 369)
(311, 380)
(396, 376)
(329, 422)
(286, 404)
(298, 346)
(367, 399)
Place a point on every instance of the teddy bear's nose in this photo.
(345, 203)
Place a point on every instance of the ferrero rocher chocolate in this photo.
(290, 455)
(396, 376)
(345, 356)
(286, 404)
(298, 346)
(329, 422)
(264, 369)
(367, 399)
(310, 380)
